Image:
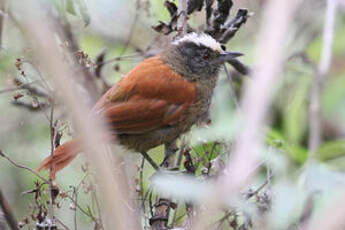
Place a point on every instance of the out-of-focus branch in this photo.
(182, 19)
(2, 19)
(332, 216)
(30, 106)
(58, 64)
(258, 94)
(323, 68)
(88, 79)
(9, 216)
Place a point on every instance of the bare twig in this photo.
(52, 146)
(182, 19)
(24, 86)
(23, 167)
(75, 200)
(162, 207)
(2, 19)
(9, 216)
(81, 208)
(86, 78)
(323, 68)
(255, 192)
(62, 224)
(180, 154)
(30, 106)
(131, 32)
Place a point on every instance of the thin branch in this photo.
(182, 19)
(23, 86)
(323, 69)
(75, 200)
(23, 167)
(32, 107)
(255, 192)
(8, 213)
(180, 154)
(258, 94)
(2, 19)
(131, 32)
(52, 148)
(62, 224)
(80, 208)
(160, 218)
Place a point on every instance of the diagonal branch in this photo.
(8, 213)
(61, 67)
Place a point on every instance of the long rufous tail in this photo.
(62, 156)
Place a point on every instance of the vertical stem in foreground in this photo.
(257, 98)
(2, 19)
(258, 93)
(52, 139)
(182, 20)
(323, 69)
(57, 63)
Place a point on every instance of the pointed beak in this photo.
(227, 55)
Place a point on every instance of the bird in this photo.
(158, 100)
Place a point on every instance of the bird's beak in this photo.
(227, 56)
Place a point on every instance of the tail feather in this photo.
(62, 156)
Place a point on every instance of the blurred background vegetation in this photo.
(123, 29)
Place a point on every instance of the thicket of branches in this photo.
(267, 158)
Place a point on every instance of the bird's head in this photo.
(198, 54)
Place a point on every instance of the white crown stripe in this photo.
(200, 39)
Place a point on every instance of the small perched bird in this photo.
(158, 100)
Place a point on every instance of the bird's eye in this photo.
(206, 55)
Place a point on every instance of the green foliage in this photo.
(296, 152)
(295, 121)
(331, 149)
(333, 97)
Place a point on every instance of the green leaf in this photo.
(333, 97)
(296, 152)
(70, 7)
(331, 149)
(296, 111)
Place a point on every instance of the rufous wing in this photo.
(151, 96)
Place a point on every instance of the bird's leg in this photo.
(169, 153)
(150, 160)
